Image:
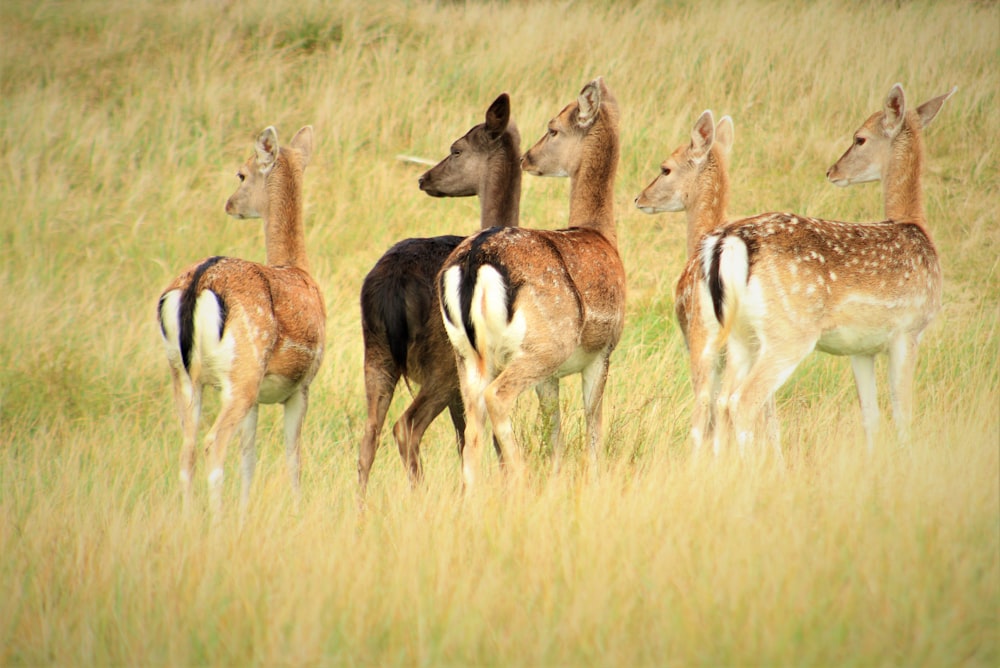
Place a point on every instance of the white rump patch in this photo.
(216, 353)
(170, 331)
(497, 339)
(734, 265)
(451, 312)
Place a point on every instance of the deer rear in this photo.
(253, 331)
(522, 306)
(782, 285)
(400, 314)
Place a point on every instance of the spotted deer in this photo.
(253, 331)
(782, 285)
(400, 313)
(522, 306)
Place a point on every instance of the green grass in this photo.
(121, 127)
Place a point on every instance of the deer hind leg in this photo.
(473, 385)
(234, 410)
(548, 405)
(701, 412)
(248, 457)
(706, 376)
(409, 429)
(187, 398)
(864, 379)
(500, 396)
(739, 361)
(296, 407)
(772, 425)
(771, 368)
(902, 367)
(380, 384)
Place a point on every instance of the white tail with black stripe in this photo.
(253, 331)
(695, 179)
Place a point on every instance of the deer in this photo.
(524, 306)
(404, 336)
(695, 179)
(255, 332)
(782, 285)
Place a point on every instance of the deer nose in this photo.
(828, 172)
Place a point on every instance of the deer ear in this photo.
(929, 109)
(702, 136)
(303, 143)
(894, 110)
(498, 116)
(725, 133)
(266, 147)
(589, 103)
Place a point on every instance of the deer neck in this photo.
(901, 189)
(500, 196)
(284, 234)
(592, 187)
(708, 211)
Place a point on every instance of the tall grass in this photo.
(121, 126)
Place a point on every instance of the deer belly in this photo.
(275, 389)
(853, 340)
(579, 360)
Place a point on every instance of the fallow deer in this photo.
(523, 306)
(782, 285)
(253, 331)
(400, 313)
(695, 179)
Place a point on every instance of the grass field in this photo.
(121, 127)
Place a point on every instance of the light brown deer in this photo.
(400, 313)
(523, 306)
(782, 285)
(253, 331)
(695, 179)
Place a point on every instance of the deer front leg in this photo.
(594, 377)
(548, 405)
(863, 367)
(295, 413)
(902, 366)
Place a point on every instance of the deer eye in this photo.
(553, 132)
(859, 141)
(455, 152)
(665, 171)
(242, 177)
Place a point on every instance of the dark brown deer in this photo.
(782, 285)
(254, 331)
(525, 306)
(400, 314)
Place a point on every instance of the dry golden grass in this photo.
(121, 125)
